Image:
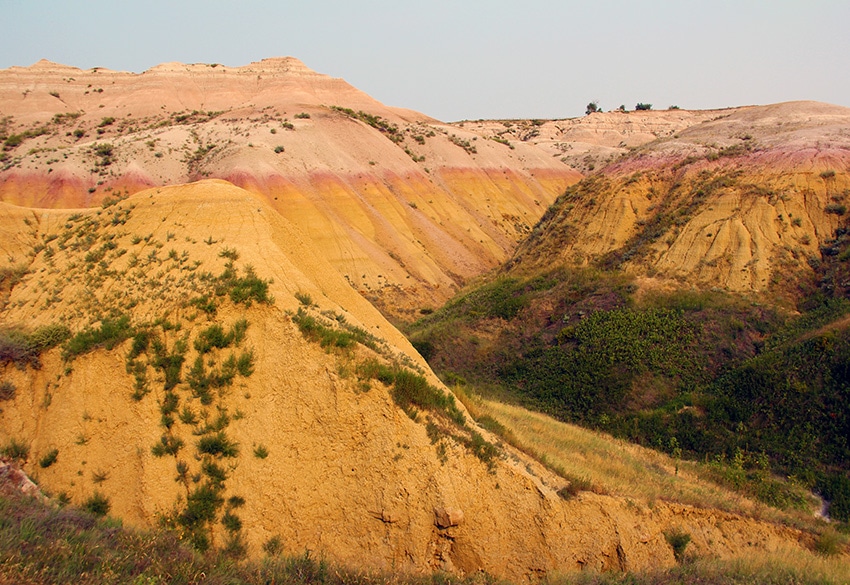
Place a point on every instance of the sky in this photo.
(471, 59)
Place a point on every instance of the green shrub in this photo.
(22, 348)
(483, 449)
(199, 382)
(205, 303)
(49, 458)
(273, 546)
(7, 390)
(49, 336)
(215, 472)
(168, 445)
(678, 541)
(13, 141)
(218, 445)
(245, 363)
(248, 289)
(98, 504)
(643, 107)
(410, 390)
(170, 363)
(111, 332)
(576, 484)
(231, 522)
(835, 488)
(141, 342)
(836, 208)
(315, 330)
(212, 337)
(304, 298)
(202, 505)
(261, 452)
(828, 543)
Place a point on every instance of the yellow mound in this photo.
(300, 443)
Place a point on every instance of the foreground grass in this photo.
(44, 545)
(780, 568)
(41, 545)
(620, 468)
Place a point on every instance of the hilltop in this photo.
(405, 207)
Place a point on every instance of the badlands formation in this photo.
(744, 201)
(223, 358)
(405, 207)
(303, 444)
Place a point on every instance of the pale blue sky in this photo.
(457, 59)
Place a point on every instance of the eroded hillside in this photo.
(590, 142)
(743, 202)
(405, 207)
(185, 355)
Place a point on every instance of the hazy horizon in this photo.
(476, 59)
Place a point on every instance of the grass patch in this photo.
(7, 390)
(678, 541)
(325, 333)
(605, 464)
(111, 332)
(244, 290)
(411, 390)
(15, 449)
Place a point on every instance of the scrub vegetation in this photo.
(758, 394)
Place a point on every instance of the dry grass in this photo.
(784, 567)
(618, 467)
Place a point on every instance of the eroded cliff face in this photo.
(404, 206)
(296, 440)
(742, 202)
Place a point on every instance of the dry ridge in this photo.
(404, 206)
(744, 201)
(290, 438)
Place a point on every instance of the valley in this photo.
(261, 312)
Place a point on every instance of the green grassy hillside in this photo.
(704, 375)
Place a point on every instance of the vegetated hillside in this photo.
(656, 300)
(45, 545)
(740, 203)
(183, 357)
(404, 206)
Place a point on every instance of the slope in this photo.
(182, 356)
(660, 300)
(741, 202)
(404, 206)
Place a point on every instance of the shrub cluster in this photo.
(25, 348)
